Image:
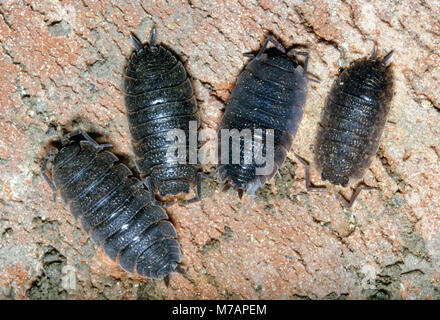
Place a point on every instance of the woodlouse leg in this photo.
(65, 140)
(309, 186)
(359, 188)
(278, 45)
(136, 42)
(50, 154)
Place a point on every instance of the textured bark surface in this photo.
(61, 65)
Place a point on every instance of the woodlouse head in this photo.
(279, 59)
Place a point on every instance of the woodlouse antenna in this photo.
(49, 156)
(293, 53)
(277, 45)
(198, 196)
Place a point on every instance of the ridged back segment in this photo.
(159, 98)
(71, 161)
(65, 155)
(115, 210)
(353, 121)
(269, 94)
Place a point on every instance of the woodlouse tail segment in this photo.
(148, 183)
(309, 186)
(153, 38)
(180, 270)
(136, 42)
(166, 279)
(49, 157)
(177, 269)
(226, 187)
(198, 197)
(277, 45)
(348, 204)
(386, 61)
(374, 53)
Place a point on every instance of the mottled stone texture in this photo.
(61, 65)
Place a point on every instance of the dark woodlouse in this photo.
(353, 121)
(113, 207)
(270, 93)
(159, 97)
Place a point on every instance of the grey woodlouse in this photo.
(159, 97)
(270, 93)
(113, 207)
(353, 121)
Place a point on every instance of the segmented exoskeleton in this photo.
(353, 121)
(113, 207)
(270, 94)
(159, 97)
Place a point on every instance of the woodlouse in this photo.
(113, 207)
(270, 93)
(353, 121)
(159, 97)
